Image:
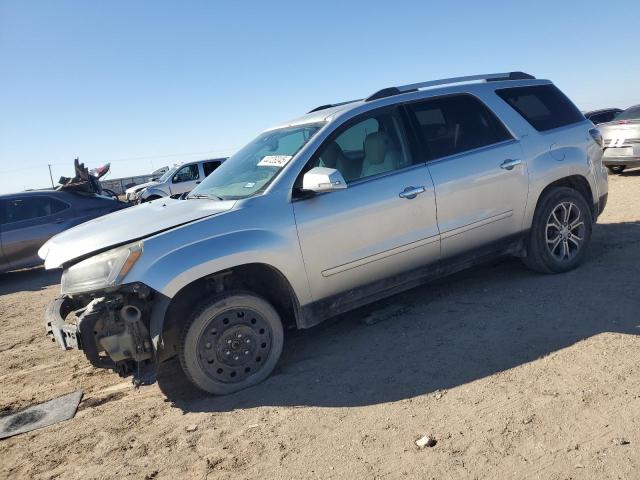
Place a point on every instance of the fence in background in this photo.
(119, 185)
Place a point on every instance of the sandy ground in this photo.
(517, 375)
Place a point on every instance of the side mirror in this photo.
(323, 179)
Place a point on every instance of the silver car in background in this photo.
(346, 205)
(177, 180)
(622, 140)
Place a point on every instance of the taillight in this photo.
(597, 136)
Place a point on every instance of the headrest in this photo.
(331, 155)
(376, 146)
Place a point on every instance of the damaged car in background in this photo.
(327, 213)
(175, 182)
(28, 219)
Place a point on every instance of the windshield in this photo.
(167, 175)
(631, 113)
(250, 170)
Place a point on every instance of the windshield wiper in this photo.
(202, 195)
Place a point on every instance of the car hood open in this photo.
(126, 226)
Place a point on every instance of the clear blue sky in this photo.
(149, 83)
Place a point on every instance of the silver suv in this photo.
(343, 206)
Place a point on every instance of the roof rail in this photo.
(329, 105)
(490, 77)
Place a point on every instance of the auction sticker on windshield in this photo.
(274, 160)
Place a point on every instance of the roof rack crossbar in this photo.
(489, 77)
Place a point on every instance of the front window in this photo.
(188, 173)
(249, 171)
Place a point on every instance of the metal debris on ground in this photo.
(42, 415)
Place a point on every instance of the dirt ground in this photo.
(517, 375)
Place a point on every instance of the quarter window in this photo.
(545, 107)
(28, 208)
(450, 125)
(372, 146)
(186, 174)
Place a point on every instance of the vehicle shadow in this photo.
(30, 279)
(445, 334)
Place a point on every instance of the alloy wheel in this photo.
(565, 231)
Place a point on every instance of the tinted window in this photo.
(209, 167)
(544, 106)
(186, 174)
(630, 113)
(451, 125)
(369, 147)
(20, 209)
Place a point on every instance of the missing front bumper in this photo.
(107, 339)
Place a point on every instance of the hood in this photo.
(126, 226)
(137, 188)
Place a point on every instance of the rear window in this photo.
(543, 106)
(630, 113)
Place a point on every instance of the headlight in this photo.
(101, 271)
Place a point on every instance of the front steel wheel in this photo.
(231, 342)
(560, 232)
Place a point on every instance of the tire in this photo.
(616, 169)
(557, 249)
(231, 342)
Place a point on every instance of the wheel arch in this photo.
(260, 278)
(576, 182)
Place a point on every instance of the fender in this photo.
(151, 191)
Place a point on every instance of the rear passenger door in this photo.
(478, 170)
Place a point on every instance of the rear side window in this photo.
(545, 107)
(455, 124)
(18, 210)
(209, 167)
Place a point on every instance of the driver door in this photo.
(185, 179)
(362, 240)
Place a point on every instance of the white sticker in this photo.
(274, 161)
(249, 184)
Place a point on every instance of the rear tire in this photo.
(616, 169)
(560, 232)
(231, 342)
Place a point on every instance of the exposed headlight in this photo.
(101, 271)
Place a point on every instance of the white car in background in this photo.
(179, 179)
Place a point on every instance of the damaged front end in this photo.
(112, 330)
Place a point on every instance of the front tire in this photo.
(231, 342)
(616, 169)
(560, 233)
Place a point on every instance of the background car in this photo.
(622, 140)
(177, 180)
(29, 219)
(603, 115)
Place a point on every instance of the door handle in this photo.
(510, 163)
(411, 192)
(58, 220)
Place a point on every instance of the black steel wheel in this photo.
(231, 342)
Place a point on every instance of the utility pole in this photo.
(51, 176)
